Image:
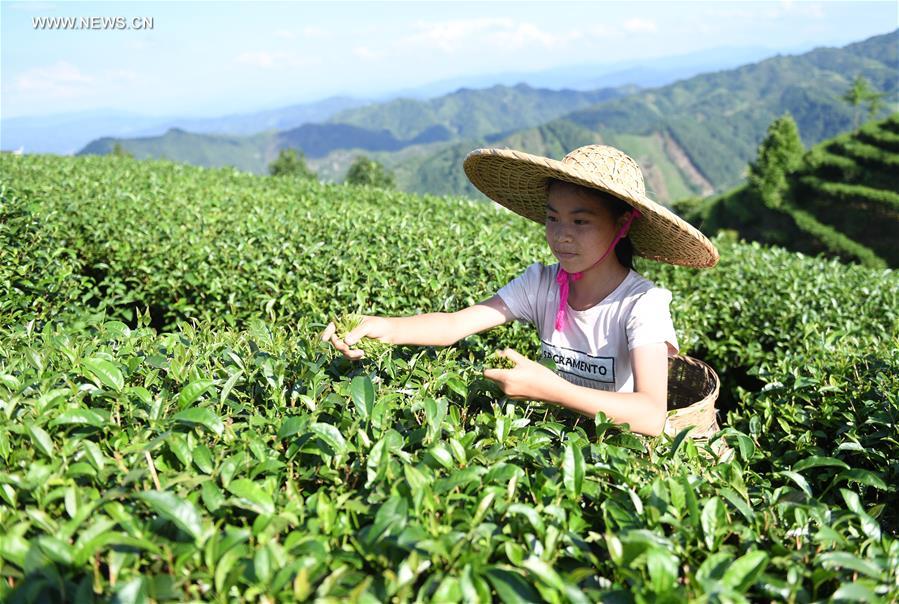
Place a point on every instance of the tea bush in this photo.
(173, 428)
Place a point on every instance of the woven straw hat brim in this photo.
(518, 181)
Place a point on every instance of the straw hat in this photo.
(519, 181)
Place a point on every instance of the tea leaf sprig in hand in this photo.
(372, 348)
(498, 361)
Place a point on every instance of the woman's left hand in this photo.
(527, 380)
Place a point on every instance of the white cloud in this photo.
(310, 31)
(285, 34)
(122, 75)
(61, 80)
(454, 35)
(367, 54)
(258, 58)
(274, 59)
(766, 11)
(641, 26)
(813, 10)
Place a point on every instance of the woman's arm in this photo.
(430, 329)
(645, 409)
(445, 329)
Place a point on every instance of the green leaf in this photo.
(662, 566)
(212, 495)
(544, 572)
(530, 513)
(482, 508)
(190, 393)
(84, 417)
(172, 507)
(251, 496)
(449, 590)
(442, 455)
(225, 564)
(817, 462)
(57, 550)
(510, 586)
(711, 518)
(855, 592)
(202, 457)
(131, 592)
(712, 569)
(573, 469)
(363, 393)
(738, 502)
(458, 386)
(743, 571)
(416, 479)
(106, 372)
(390, 519)
(800, 480)
(852, 562)
(229, 385)
(41, 440)
(678, 440)
(863, 477)
(290, 426)
(203, 416)
(330, 435)
(435, 412)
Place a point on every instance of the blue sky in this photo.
(211, 58)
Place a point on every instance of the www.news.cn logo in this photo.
(101, 23)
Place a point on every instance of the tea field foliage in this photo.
(172, 428)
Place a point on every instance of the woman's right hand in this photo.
(376, 328)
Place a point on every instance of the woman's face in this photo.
(579, 226)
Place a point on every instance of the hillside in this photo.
(386, 127)
(248, 153)
(479, 113)
(843, 201)
(697, 135)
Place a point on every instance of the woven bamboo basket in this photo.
(692, 392)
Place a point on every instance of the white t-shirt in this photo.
(594, 348)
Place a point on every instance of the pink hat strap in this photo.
(564, 278)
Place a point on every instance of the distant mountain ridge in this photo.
(697, 135)
(388, 127)
(692, 137)
(68, 133)
(474, 113)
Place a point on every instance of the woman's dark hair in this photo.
(624, 250)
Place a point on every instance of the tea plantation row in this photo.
(238, 458)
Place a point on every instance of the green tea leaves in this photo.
(363, 393)
(573, 469)
(251, 496)
(202, 416)
(180, 511)
(105, 372)
(193, 391)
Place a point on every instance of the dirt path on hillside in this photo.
(683, 163)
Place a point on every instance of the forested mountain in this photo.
(696, 136)
(387, 127)
(842, 200)
(475, 113)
